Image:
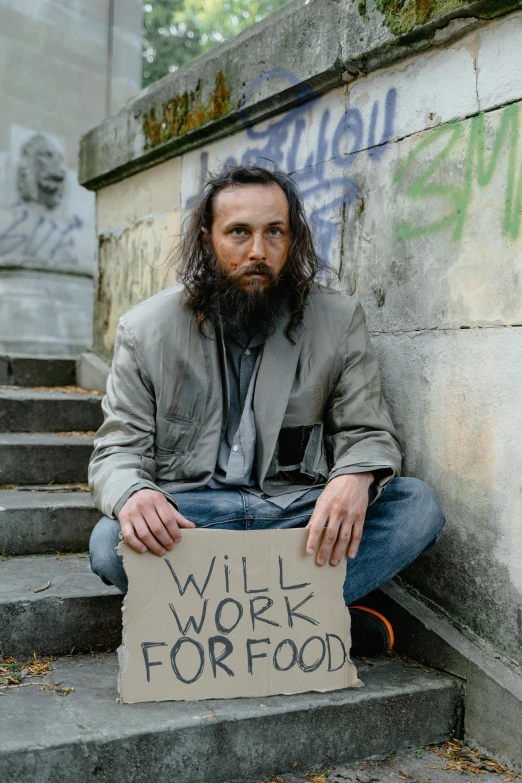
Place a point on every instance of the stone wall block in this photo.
(414, 105)
(499, 65)
(133, 265)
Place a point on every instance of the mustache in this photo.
(259, 268)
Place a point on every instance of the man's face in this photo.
(251, 234)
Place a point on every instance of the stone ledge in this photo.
(92, 372)
(492, 692)
(232, 86)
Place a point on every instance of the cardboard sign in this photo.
(232, 613)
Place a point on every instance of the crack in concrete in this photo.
(444, 329)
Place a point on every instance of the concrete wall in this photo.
(412, 174)
(65, 65)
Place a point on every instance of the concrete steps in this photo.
(88, 735)
(45, 445)
(30, 410)
(21, 370)
(77, 610)
(42, 458)
(46, 520)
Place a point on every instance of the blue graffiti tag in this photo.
(282, 141)
(35, 236)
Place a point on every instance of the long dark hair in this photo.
(194, 261)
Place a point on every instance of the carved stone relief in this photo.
(41, 172)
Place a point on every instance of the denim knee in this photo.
(105, 561)
(423, 498)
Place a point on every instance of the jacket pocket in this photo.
(175, 434)
(315, 461)
(301, 452)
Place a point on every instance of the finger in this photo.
(130, 538)
(183, 522)
(329, 538)
(171, 518)
(144, 534)
(316, 526)
(343, 539)
(158, 529)
(357, 532)
(168, 516)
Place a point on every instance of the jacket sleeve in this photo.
(359, 430)
(123, 458)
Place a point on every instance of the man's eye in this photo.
(275, 232)
(238, 231)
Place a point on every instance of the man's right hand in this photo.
(149, 521)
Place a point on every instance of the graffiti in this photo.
(476, 170)
(327, 190)
(33, 236)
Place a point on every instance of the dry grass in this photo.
(469, 761)
(12, 672)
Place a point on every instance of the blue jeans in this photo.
(400, 524)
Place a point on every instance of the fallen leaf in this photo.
(212, 715)
(64, 691)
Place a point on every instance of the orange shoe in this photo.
(372, 633)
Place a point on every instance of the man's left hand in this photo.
(341, 508)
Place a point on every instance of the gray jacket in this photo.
(318, 405)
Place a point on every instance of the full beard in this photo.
(254, 310)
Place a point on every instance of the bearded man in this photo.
(249, 398)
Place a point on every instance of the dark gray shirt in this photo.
(235, 466)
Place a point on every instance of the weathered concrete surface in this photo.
(461, 422)
(221, 91)
(214, 741)
(143, 251)
(28, 410)
(44, 312)
(432, 764)
(20, 370)
(41, 458)
(77, 611)
(65, 66)
(38, 522)
(494, 709)
(492, 692)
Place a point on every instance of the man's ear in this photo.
(205, 237)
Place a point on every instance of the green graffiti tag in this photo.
(477, 169)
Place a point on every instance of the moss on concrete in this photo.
(363, 10)
(185, 112)
(402, 16)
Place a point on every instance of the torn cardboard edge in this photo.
(230, 614)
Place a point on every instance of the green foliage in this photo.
(176, 31)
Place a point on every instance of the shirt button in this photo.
(235, 448)
(247, 352)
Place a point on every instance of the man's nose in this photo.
(257, 250)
